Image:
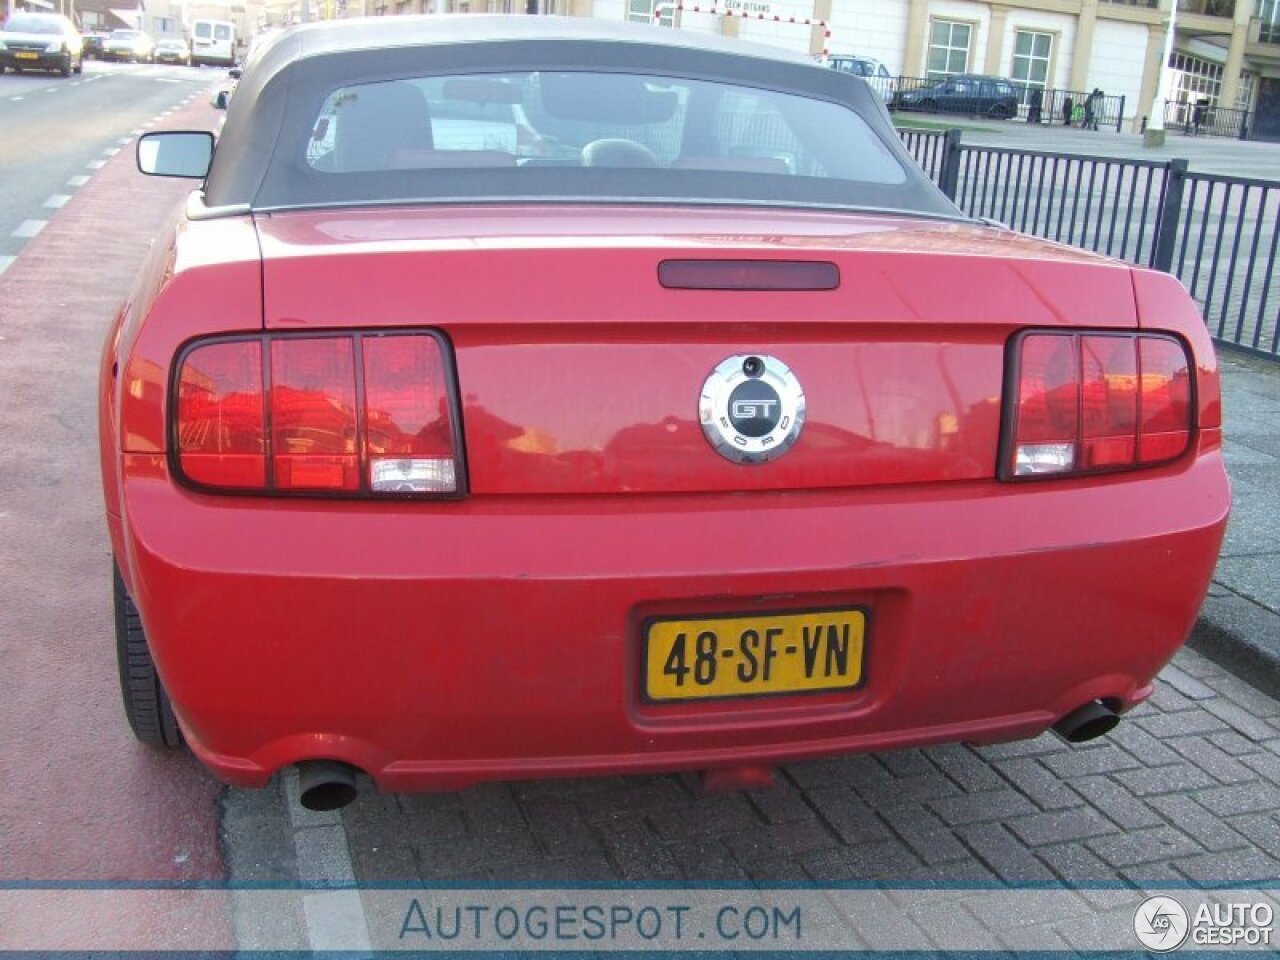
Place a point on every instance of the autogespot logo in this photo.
(1161, 924)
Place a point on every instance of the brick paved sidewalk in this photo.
(1187, 788)
(1240, 621)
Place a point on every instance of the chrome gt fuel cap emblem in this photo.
(752, 408)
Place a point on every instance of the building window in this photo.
(1244, 93)
(1269, 14)
(1031, 53)
(1194, 78)
(948, 47)
(641, 11)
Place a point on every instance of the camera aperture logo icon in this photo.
(1161, 924)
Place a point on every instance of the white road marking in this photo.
(96, 164)
(13, 99)
(167, 80)
(5, 263)
(110, 151)
(79, 181)
(57, 201)
(52, 90)
(139, 132)
(29, 228)
(124, 140)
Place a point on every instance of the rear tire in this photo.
(929, 106)
(146, 705)
(999, 112)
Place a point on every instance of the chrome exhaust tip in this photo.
(326, 784)
(1088, 722)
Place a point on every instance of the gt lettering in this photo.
(750, 409)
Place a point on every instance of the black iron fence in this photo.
(1220, 235)
(1001, 99)
(1203, 119)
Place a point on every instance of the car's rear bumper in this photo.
(41, 61)
(436, 645)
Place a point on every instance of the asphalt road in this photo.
(83, 803)
(56, 131)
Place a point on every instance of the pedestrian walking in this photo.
(1092, 104)
(1200, 114)
(1035, 105)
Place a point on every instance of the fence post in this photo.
(1120, 116)
(949, 169)
(1175, 180)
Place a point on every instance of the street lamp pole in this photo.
(1153, 136)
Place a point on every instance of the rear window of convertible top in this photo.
(584, 119)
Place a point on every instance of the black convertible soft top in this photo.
(261, 158)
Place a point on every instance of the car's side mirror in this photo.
(185, 153)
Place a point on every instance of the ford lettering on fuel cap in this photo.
(752, 408)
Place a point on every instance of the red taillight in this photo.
(313, 414)
(220, 436)
(1165, 400)
(408, 420)
(1084, 403)
(347, 415)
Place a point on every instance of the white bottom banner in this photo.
(601, 920)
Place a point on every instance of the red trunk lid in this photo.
(580, 373)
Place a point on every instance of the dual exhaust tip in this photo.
(1088, 722)
(325, 785)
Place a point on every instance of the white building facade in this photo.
(1227, 52)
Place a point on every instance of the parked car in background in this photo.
(93, 43)
(714, 438)
(971, 93)
(170, 50)
(40, 41)
(869, 69)
(213, 43)
(131, 45)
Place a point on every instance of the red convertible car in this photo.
(531, 397)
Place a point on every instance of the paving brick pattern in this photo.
(1186, 789)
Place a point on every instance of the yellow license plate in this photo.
(754, 655)
(27, 56)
